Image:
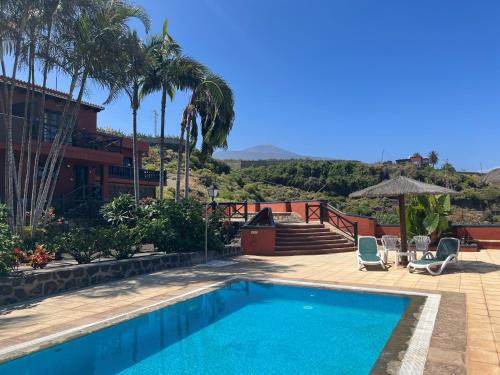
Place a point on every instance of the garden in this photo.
(122, 232)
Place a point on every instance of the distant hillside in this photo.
(332, 181)
(493, 177)
(262, 152)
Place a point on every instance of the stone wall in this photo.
(41, 283)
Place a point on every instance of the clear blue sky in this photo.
(344, 78)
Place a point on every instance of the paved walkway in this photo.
(478, 277)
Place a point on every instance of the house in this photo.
(95, 164)
(417, 160)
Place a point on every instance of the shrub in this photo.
(7, 243)
(225, 230)
(40, 258)
(86, 245)
(6, 262)
(124, 241)
(121, 210)
(177, 227)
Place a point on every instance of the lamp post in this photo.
(212, 193)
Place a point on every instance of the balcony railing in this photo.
(80, 138)
(128, 173)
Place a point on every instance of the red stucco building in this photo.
(96, 165)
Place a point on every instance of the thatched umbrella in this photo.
(397, 188)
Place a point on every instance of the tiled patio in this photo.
(478, 277)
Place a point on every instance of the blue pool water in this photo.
(243, 328)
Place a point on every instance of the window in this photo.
(50, 125)
(127, 162)
(41, 167)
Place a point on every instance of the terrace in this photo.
(466, 335)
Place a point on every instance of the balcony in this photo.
(128, 174)
(80, 138)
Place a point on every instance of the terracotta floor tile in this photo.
(480, 355)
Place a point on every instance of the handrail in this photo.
(325, 212)
(127, 173)
(233, 210)
(263, 218)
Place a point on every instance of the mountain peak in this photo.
(260, 152)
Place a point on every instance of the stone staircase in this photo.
(304, 239)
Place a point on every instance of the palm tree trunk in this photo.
(179, 164)
(38, 201)
(57, 151)
(135, 151)
(10, 160)
(162, 140)
(186, 165)
(41, 110)
(25, 142)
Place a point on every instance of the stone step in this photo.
(313, 246)
(315, 251)
(298, 226)
(303, 230)
(302, 242)
(308, 237)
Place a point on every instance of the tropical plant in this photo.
(124, 241)
(428, 215)
(178, 227)
(86, 245)
(433, 158)
(212, 101)
(40, 257)
(121, 210)
(169, 71)
(130, 73)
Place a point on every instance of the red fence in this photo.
(486, 236)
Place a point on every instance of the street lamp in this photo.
(212, 193)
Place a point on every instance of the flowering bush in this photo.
(40, 258)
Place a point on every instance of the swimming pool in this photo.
(245, 327)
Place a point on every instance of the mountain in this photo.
(261, 152)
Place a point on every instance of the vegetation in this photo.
(428, 215)
(433, 158)
(92, 41)
(211, 102)
(77, 38)
(478, 201)
(86, 245)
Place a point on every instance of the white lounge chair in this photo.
(393, 243)
(367, 253)
(421, 243)
(447, 252)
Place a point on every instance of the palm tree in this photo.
(433, 158)
(215, 132)
(132, 69)
(170, 71)
(89, 53)
(76, 37)
(212, 101)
